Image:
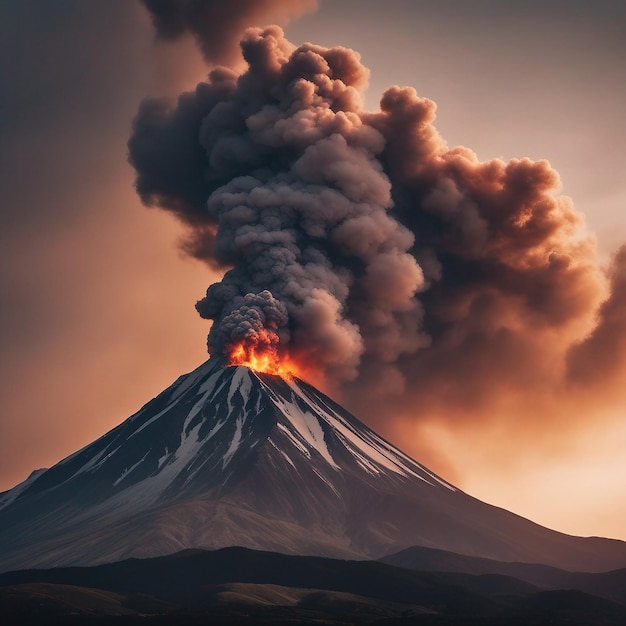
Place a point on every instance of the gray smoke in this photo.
(362, 242)
(217, 25)
(305, 212)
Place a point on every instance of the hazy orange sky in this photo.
(96, 300)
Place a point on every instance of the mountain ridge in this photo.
(249, 586)
(228, 456)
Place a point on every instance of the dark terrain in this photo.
(242, 586)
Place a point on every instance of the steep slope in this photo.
(227, 456)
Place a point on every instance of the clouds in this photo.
(82, 263)
(298, 199)
(217, 26)
(600, 358)
(94, 295)
(457, 282)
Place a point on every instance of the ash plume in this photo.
(217, 25)
(404, 269)
(601, 357)
(253, 320)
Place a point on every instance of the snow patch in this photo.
(307, 426)
(283, 453)
(127, 471)
(164, 458)
(97, 460)
(294, 440)
(11, 495)
(192, 378)
(325, 480)
(236, 440)
(370, 450)
(240, 382)
(154, 418)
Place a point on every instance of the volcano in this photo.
(227, 456)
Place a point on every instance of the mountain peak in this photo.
(231, 456)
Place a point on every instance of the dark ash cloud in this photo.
(601, 357)
(412, 272)
(217, 25)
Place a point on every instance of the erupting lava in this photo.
(265, 359)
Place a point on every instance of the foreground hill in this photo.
(241, 586)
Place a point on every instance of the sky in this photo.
(97, 298)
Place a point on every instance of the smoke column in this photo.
(359, 242)
(217, 25)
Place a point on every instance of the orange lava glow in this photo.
(266, 360)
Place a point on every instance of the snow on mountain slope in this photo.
(212, 418)
(227, 456)
(6, 497)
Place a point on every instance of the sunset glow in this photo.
(494, 380)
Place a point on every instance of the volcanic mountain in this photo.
(228, 456)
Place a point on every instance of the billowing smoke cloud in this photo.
(299, 200)
(401, 267)
(254, 321)
(217, 24)
(601, 357)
